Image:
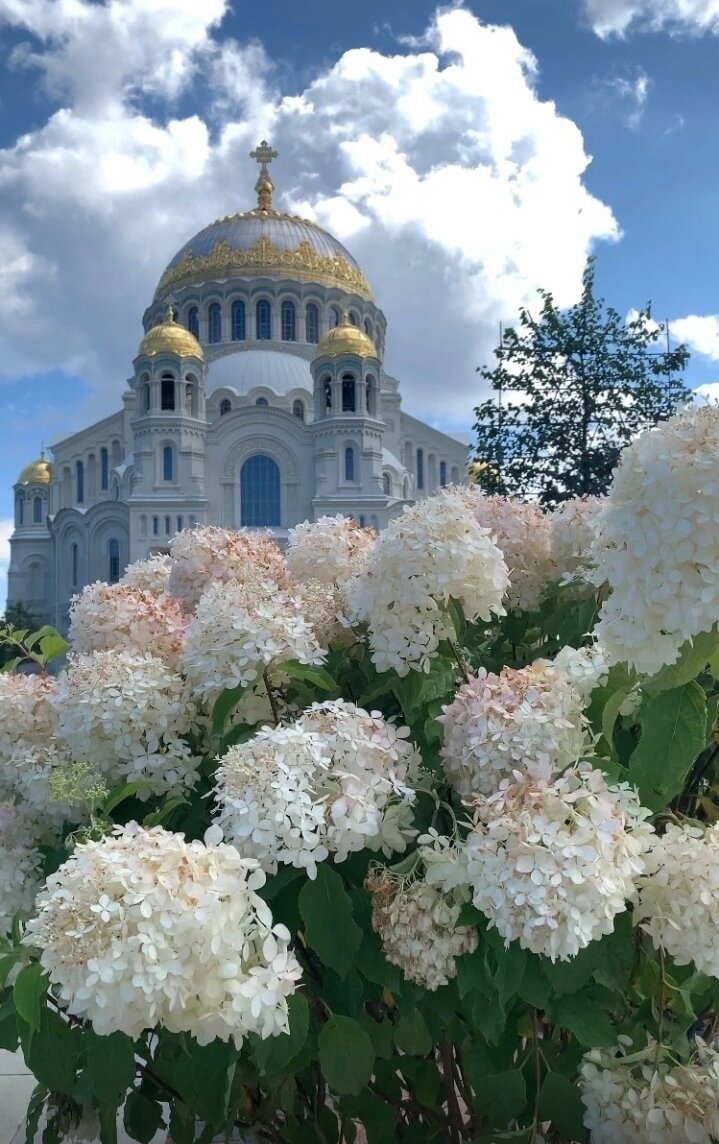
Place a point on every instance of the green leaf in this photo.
(673, 734)
(618, 949)
(110, 1068)
(52, 646)
(585, 1020)
(561, 1103)
(168, 808)
(51, 1052)
(346, 1055)
(122, 793)
(510, 971)
(503, 1097)
(29, 992)
(330, 929)
(694, 655)
(412, 1036)
(274, 1053)
(34, 1111)
(141, 1116)
(202, 1074)
(224, 705)
(308, 673)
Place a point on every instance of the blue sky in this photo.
(466, 156)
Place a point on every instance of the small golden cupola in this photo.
(37, 473)
(346, 338)
(170, 337)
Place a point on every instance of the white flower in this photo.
(585, 667)
(125, 715)
(552, 865)
(325, 609)
(26, 779)
(151, 574)
(331, 549)
(20, 864)
(205, 555)
(521, 531)
(657, 542)
(434, 552)
(109, 617)
(527, 719)
(333, 782)
(416, 924)
(26, 711)
(642, 1103)
(144, 930)
(238, 630)
(573, 529)
(679, 896)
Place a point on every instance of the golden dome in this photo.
(170, 338)
(346, 339)
(38, 473)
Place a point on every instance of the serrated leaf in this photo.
(694, 656)
(346, 1055)
(673, 734)
(225, 704)
(110, 1068)
(584, 1019)
(503, 1098)
(412, 1036)
(561, 1103)
(52, 646)
(308, 673)
(29, 992)
(122, 793)
(141, 1116)
(330, 929)
(274, 1053)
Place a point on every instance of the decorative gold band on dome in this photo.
(264, 257)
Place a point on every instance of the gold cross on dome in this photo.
(263, 154)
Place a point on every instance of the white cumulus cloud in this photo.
(458, 189)
(617, 17)
(700, 332)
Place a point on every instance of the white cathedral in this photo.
(257, 399)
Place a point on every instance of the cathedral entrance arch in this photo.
(260, 505)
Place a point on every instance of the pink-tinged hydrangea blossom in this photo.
(27, 714)
(573, 530)
(642, 1102)
(20, 864)
(657, 542)
(144, 930)
(585, 667)
(116, 617)
(332, 549)
(203, 556)
(334, 782)
(239, 630)
(324, 607)
(434, 552)
(151, 574)
(528, 719)
(125, 715)
(679, 896)
(417, 926)
(522, 534)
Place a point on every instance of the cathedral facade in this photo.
(258, 398)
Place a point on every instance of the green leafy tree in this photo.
(571, 388)
(16, 617)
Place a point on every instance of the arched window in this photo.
(37, 510)
(225, 406)
(298, 409)
(312, 323)
(420, 468)
(104, 468)
(386, 484)
(79, 482)
(168, 525)
(348, 394)
(214, 322)
(155, 526)
(368, 328)
(20, 509)
(179, 524)
(349, 463)
(260, 492)
(167, 391)
(327, 393)
(191, 398)
(193, 321)
(354, 320)
(238, 321)
(145, 398)
(443, 473)
(113, 552)
(75, 559)
(167, 463)
(333, 318)
(262, 401)
(289, 323)
(263, 312)
(92, 477)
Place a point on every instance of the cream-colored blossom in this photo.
(143, 930)
(573, 530)
(118, 617)
(151, 574)
(27, 714)
(207, 555)
(20, 866)
(331, 549)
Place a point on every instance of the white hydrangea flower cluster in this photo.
(109, 617)
(573, 530)
(679, 896)
(204, 556)
(26, 779)
(27, 714)
(550, 865)
(435, 551)
(239, 630)
(522, 533)
(125, 715)
(20, 864)
(528, 719)
(144, 929)
(331, 549)
(630, 1103)
(325, 609)
(585, 667)
(656, 542)
(334, 782)
(150, 575)
(417, 926)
